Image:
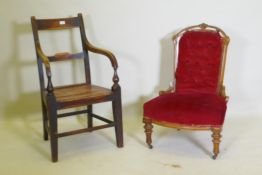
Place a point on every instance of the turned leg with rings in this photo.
(148, 131)
(216, 141)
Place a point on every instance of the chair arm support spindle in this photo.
(50, 87)
(115, 77)
(115, 80)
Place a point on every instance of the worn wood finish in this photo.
(65, 56)
(85, 94)
(73, 95)
(57, 24)
(216, 130)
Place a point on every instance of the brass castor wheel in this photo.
(150, 146)
(214, 157)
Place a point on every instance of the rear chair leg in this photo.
(89, 116)
(148, 130)
(216, 141)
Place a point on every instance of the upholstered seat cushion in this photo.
(187, 109)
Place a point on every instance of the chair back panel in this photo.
(200, 55)
(61, 24)
(57, 24)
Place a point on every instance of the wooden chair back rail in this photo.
(65, 56)
(57, 24)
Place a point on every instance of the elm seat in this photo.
(198, 100)
(81, 93)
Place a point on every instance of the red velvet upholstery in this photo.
(187, 108)
(196, 100)
(199, 60)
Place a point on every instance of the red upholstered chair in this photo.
(198, 100)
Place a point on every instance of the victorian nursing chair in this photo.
(198, 100)
(55, 99)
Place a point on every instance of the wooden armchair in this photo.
(198, 101)
(86, 94)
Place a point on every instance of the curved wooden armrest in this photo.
(112, 59)
(46, 63)
(43, 57)
(104, 52)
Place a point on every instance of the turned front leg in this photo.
(216, 140)
(148, 131)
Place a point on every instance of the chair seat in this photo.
(187, 109)
(81, 94)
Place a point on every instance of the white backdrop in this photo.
(138, 33)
